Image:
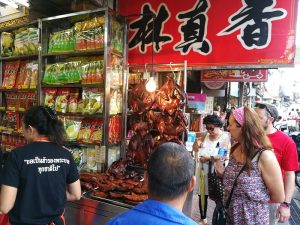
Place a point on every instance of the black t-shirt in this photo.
(41, 172)
(1, 164)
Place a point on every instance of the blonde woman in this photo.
(260, 179)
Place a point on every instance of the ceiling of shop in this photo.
(58, 7)
(51, 7)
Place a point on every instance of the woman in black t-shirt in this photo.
(41, 176)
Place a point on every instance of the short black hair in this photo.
(270, 109)
(213, 119)
(170, 170)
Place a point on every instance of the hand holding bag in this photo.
(219, 215)
(215, 184)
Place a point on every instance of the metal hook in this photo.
(172, 70)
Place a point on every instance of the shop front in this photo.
(119, 81)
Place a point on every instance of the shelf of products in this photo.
(79, 60)
(81, 84)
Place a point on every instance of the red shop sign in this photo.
(235, 75)
(210, 33)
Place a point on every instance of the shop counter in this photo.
(88, 211)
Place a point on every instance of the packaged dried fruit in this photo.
(7, 42)
(28, 75)
(92, 100)
(33, 36)
(91, 159)
(99, 37)
(77, 155)
(21, 75)
(97, 131)
(84, 104)
(13, 120)
(50, 76)
(73, 100)
(72, 127)
(85, 131)
(116, 71)
(114, 107)
(22, 99)
(3, 123)
(117, 36)
(11, 103)
(115, 126)
(31, 99)
(99, 75)
(61, 102)
(10, 74)
(85, 72)
(50, 97)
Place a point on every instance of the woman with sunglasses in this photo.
(205, 146)
(253, 175)
(41, 176)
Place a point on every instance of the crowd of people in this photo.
(267, 159)
(257, 171)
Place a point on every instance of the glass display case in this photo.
(75, 63)
(82, 64)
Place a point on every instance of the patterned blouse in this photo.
(249, 202)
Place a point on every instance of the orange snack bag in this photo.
(10, 74)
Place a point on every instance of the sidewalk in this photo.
(295, 210)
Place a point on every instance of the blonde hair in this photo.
(254, 137)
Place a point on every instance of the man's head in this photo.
(170, 172)
(267, 114)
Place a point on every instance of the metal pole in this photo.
(241, 94)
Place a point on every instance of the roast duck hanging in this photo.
(170, 97)
(161, 112)
(139, 99)
(141, 144)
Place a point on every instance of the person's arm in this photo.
(289, 185)
(219, 167)
(271, 174)
(289, 165)
(283, 212)
(7, 198)
(74, 191)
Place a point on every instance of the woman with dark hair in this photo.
(205, 146)
(255, 168)
(41, 176)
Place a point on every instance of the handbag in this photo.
(215, 184)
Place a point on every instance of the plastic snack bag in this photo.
(10, 74)
(61, 102)
(50, 94)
